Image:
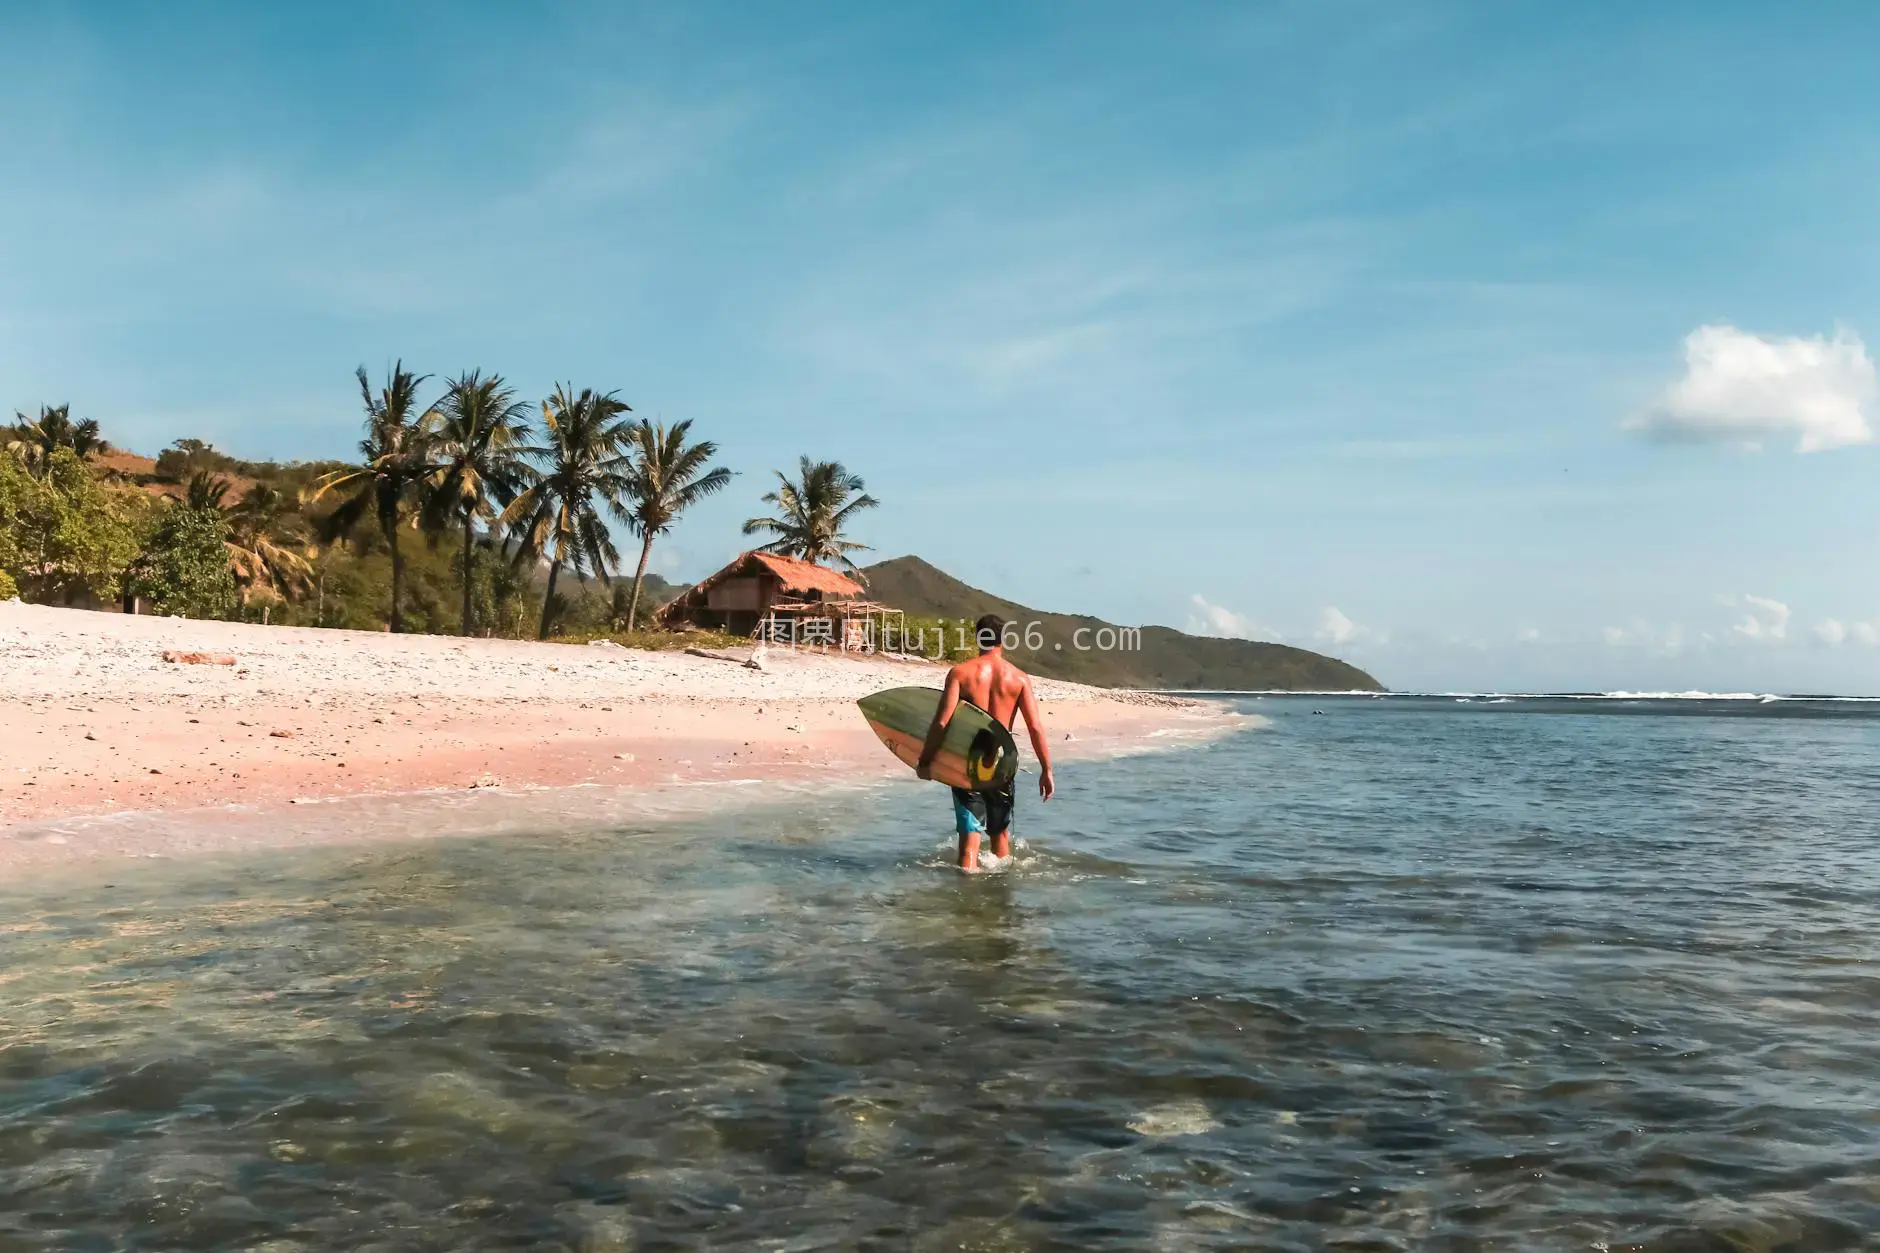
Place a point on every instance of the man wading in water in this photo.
(1002, 690)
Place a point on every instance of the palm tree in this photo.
(812, 512)
(258, 548)
(665, 481)
(586, 465)
(34, 440)
(478, 439)
(394, 464)
(206, 492)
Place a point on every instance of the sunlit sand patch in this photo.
(1411, 1211)
(599, 1228)
(607, 1074)
(1212, 1216)
(154, 1175)
(739, 1078)
(1188, 1117)
(1760, 1227)
(460, 1096)
(862, 1129)
(1785, 1009)
(1055, 1009)
(974, 1235)
(61, 1169)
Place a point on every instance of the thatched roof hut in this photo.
(746, 591)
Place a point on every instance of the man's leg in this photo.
(969, 852)
(999, 822)
(969, 819)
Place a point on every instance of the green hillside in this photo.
(1166, 659)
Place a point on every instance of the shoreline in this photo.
(102, 730)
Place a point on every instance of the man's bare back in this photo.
(1000, 688)
(992, 683)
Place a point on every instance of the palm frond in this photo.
(812, 512)
(206, 492)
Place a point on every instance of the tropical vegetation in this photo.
(384, 485)
(183, 567)
(666, 477)
(813, 513)
(480, 464)
(585, 467)
(64, 537)
(35, 440)
(508, 503)
(265, 550)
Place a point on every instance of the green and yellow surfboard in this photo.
(976, 753)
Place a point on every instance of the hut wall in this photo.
(745, 593)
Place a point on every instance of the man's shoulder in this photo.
(1011, 671)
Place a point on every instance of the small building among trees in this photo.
(781, 599)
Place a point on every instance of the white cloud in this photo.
(1763, 620)
(1758, 620)
(1833, 633)
(1335, 628)
(1212, 619)
(1642, 634)
(1740, 387)
(1528, 635)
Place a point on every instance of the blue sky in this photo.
(1477, 344)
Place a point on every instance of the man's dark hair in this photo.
(990, 631)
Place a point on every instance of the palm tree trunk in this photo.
(398, 582)
(548, 599)
(468, 625)
(639, 575)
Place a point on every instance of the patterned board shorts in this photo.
(984, 813)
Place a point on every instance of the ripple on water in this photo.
(1381, 979)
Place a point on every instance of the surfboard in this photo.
(976, 753)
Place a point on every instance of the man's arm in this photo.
(949, 701)
(1034, 726)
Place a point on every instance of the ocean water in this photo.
(1400, 974)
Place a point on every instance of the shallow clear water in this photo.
(1407, 975)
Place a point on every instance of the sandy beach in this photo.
(98, 721)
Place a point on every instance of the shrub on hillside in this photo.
(939, 639)
(184, 566)
(187, 458)
(64, 538)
